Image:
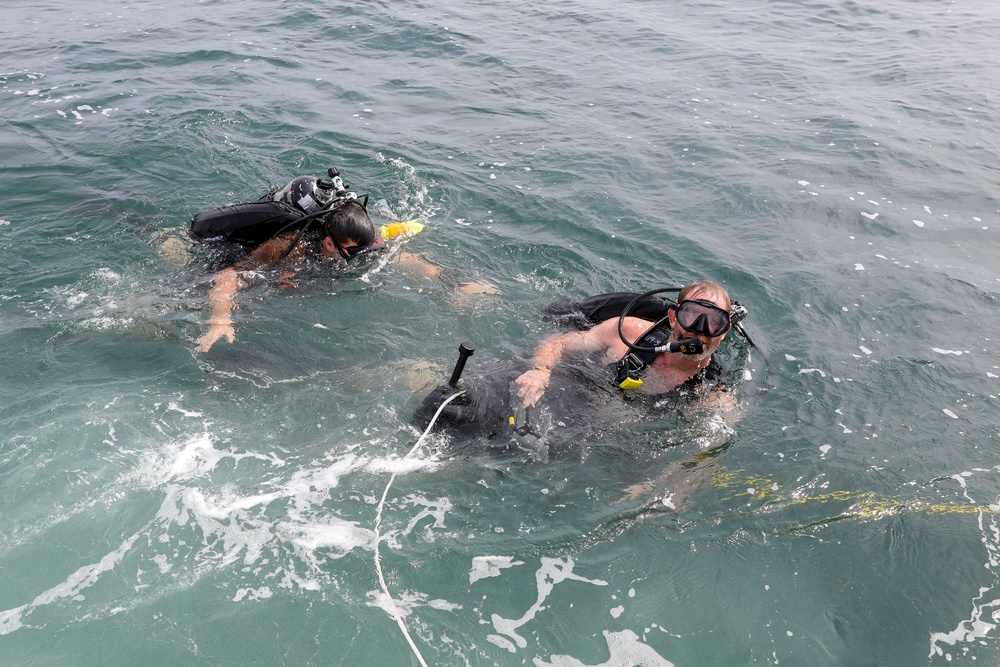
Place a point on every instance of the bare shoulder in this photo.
(268, 252)
(604, 335)
(632, 327)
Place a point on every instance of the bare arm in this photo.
(413, 263)
(222, 300)
(416, 265)
(601, 338)
(225, 284)
(531, 384)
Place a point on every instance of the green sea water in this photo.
(833, 164)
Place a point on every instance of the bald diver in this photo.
(629, 354)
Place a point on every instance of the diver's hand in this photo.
(469, 295)
(530, 385)
(215, 332)
(286, 281)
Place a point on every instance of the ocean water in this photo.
(833, 164)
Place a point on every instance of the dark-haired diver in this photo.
(652, 352)
(307, 221)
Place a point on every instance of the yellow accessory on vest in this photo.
(631, 383)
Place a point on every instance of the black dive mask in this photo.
(702, 317)
(350, 253)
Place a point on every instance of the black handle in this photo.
(465, 350)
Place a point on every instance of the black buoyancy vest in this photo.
(585, 313)
(247, 224)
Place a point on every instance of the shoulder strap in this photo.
(629, 367)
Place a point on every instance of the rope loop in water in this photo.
(378, 528)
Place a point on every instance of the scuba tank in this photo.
(300, 201)
(306, 193)
(296, 205)
(246, 224)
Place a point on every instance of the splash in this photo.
(552, 571)
(71, 587)
(280, 535)
(985, 614)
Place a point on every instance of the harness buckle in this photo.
(628, 368)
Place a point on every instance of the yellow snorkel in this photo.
(403, 229)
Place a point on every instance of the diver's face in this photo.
(331, 248)
(700, 315)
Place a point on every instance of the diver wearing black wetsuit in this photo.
(571, 370)
(307, 219)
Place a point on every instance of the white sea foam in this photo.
(200, 527)
(262, 593)
(553, 571)
(625, 649)
(985, 614)
(187, 413)
(435, 509)
(484, 567)
(406, 601)
(71, 587)
(337, 535)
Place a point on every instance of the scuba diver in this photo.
(658, 353)
(697, 325)
(308, 220)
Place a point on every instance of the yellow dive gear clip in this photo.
(631, 383)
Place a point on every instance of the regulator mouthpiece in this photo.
(686, 346)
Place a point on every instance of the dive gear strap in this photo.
(628, 369)
(630, 366)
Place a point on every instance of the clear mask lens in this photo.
(703, 318)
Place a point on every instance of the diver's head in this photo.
(702, 311)
(347, 231)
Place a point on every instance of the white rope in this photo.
(378, 527)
